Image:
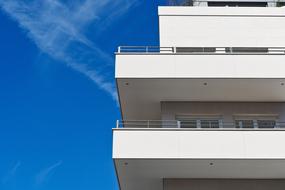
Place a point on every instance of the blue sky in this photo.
(57, 91)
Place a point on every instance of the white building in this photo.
(205, 110)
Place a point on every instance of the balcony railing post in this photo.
(119, 49)
(148, 124)
(117, 124)
(178, 124)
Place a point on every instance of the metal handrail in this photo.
(201, 50)
(154, 124)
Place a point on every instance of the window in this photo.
(280, 4)
(244, 124)
(209, 123)
(195, 121)
(188, 124)
(195, 50)
(236, 4)
(255, 121)
(266, 123)
(247, 50)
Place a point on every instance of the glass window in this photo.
(247, 50)
(199, 121)
(280, 4)
(266, 123)
(188, 123)
(195, 50)
(236, 4)
(244, 124)
(209, 123)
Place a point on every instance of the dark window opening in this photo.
(188, 124)
(195, 50)
(247, 50)
(266, 123)
(244, 124)
(280, 4)
(237, 4)
(196, 123)
(209, 123)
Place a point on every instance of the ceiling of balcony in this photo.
(140, 98)
(142, 174)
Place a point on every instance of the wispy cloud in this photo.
(59, 30)
(11, 173)
(45, 174)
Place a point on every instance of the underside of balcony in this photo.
(141, 99)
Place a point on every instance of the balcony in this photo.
(144, 153)
(200, 62)
(174, 140)
(148, 75)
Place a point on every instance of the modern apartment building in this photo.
(206, 109)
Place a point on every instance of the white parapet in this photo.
(162, 65)
(143, 158)
(198, 144)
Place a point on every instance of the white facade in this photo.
(206, 109)
(222, 26)
(198, 144)
(164, 65)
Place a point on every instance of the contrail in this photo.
(44, 174)
(58, 30)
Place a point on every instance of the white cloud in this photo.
(58, 29)
(46, 173)
(11, 173)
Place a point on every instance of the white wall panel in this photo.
(222, 27)
(199, 66)
(170, 144)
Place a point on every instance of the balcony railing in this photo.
(201, 50)
(175, 124)
(223, 3)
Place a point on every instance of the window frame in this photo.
(199, 119)
(256, 118)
